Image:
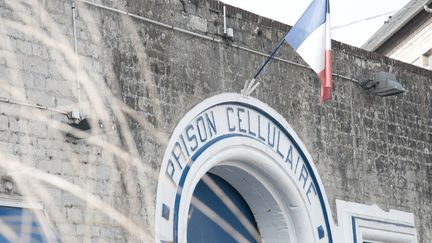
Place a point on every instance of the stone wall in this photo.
(138, 79)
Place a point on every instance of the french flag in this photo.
(310, 37)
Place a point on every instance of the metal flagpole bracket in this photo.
(245, 91)
(77, 75)
(252, 89)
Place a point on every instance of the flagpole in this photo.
(249, 87)
(269, 58)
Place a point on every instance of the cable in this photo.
(362, 20)
(217, 40)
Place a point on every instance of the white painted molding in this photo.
(19, 203)
(359, 222)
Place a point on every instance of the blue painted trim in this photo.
(385, 222)
(165, 211)
(354, 218)
(354, 229)
(284, 130)
(321, 233)
(186, 171)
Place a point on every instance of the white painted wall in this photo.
(413, 47)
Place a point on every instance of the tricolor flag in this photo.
(310, 37)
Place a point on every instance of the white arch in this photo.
(278, 199)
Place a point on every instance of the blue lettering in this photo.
(191, 137)
(201, 130)
(211, 123)
(304, 174)
(309, 191)
(277, 147)
(170, 170)
(177, 156)
(249, 126)
(240, 110)
(298, 159)
(231, 129)
(184, 144)
(271, 142)
(289, 157)
(259, 129)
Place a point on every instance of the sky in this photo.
(341, 11)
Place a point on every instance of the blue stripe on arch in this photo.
(186, 171)
(285, 131)
(312, 18)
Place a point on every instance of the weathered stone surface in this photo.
(367, 149)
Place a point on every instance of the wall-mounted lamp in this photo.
(77, 121)
(384, 84)
(87, 125)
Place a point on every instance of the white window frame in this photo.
(20, 203)
(17, 203)
(360, 223)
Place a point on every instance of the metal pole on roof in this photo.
(224, 20)
(76, 58)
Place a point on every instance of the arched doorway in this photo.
(226, 218)
(255, 151)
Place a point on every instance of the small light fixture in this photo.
(85, 124)
(77, 121)
(384, 84)
(82, 125)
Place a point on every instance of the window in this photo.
(359, 223)
(24, 222)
